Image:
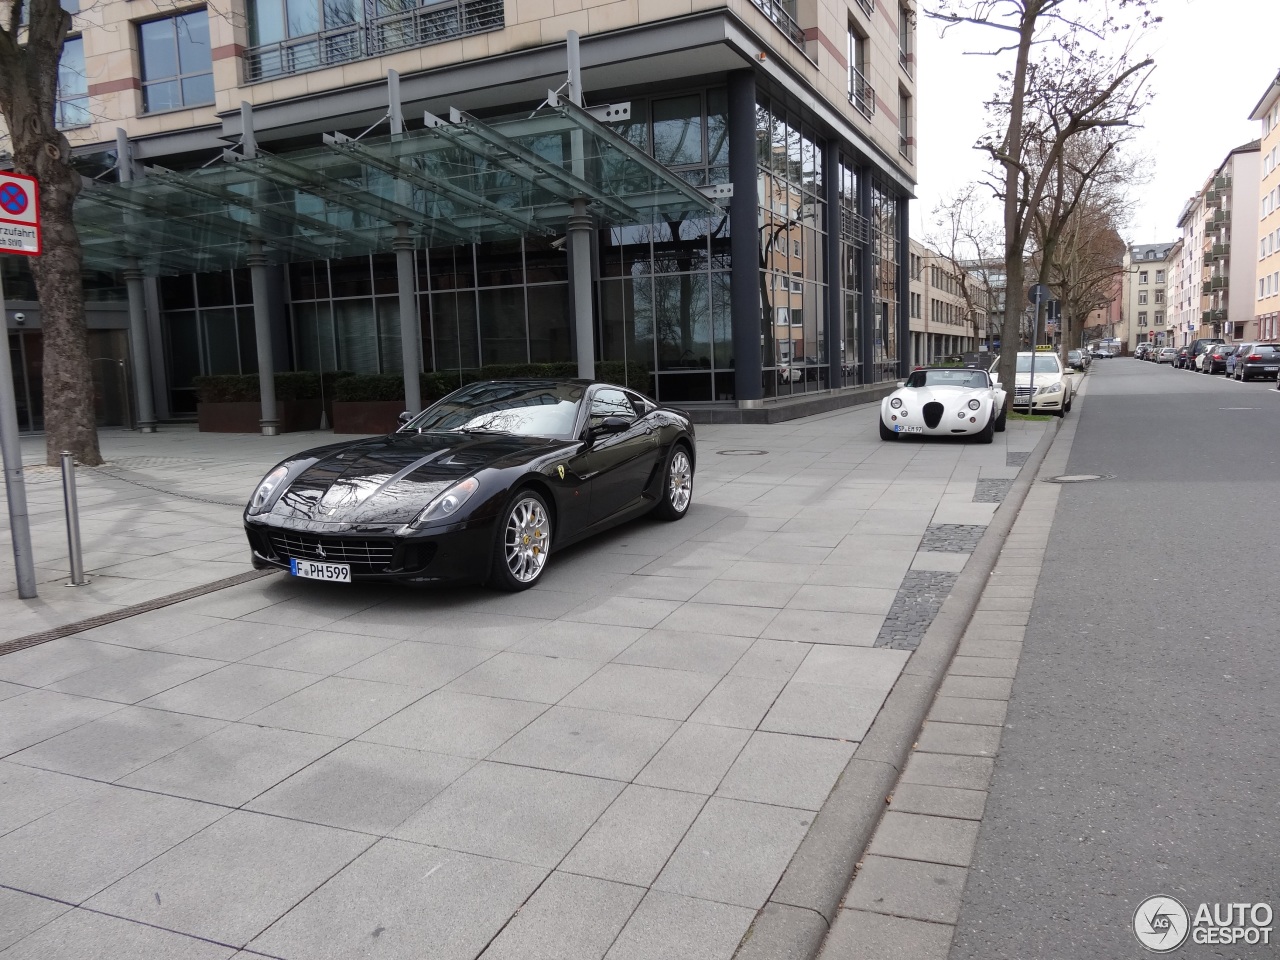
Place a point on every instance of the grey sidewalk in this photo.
(618, 763)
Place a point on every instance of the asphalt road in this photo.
(1142, 749)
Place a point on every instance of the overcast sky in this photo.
(1214, 60)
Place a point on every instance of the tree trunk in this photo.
(28, 85)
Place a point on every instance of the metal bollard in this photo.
(78, 578)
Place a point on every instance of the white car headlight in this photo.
(447, 503)
(975, 404)
(895, 403)
(265, 495)
(1050, 388)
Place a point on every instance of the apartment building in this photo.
(384, 187)
(1230, 197)
(1267, 305)
(948, 311)
(1145, 301)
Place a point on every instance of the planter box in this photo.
(244, 417)
(366, 416)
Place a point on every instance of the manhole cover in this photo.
(1080, 477)
(1237, 408)
(742, 453)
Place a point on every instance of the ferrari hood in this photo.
(390, 479)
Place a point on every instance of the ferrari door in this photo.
(620, 462)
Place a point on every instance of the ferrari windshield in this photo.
(974, 379)
(1045, 363)
(523, 408)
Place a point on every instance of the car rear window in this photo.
(1270, 348)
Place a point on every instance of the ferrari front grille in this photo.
(370, 555)
(932, 414)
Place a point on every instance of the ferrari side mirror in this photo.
(404, 418)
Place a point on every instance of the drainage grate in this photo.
(1079, 477)
(1012, 459)
(952, 537)
(914, 608)
(742, 453)
(992, 491)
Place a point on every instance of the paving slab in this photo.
(591, 742)
(667, 925)
(859, 935)
(634, 838)
(909, 836)
(86, 935)
(569, 918)
(785, 770)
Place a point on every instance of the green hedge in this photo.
(243, 388)
(390, 386)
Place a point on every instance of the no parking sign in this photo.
(19, 215)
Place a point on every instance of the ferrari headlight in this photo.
(264, 496)
(1050, 388)
(974, 404)
(895, 403)
(447, 503)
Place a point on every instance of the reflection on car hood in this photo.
(390, 479)
(943, 393)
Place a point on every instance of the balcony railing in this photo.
(1221, 251)
(862, 95)
(416, 26)
(1217, 218)
(783, 14)
(1213, 316)
(1221, 183)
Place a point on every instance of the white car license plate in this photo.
(902, 429)
(1271, 369)
(315, 570)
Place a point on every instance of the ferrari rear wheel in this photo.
(523, 542)
(677, 485)
(886, 433)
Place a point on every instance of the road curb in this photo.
(794, 922)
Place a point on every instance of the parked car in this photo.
(1233, 358)
(1180, 359)
(944, 402)
(483, 485)
(1075, 359)
(1052, 384)
(1166, 355)
(1141, 350)
(1262, 360)
(1197, 347)
(1214, 358)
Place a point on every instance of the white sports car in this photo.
(945, 402)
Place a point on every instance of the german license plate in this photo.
(1271, 369)
(315, 570)
(902, 429)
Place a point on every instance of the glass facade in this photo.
(177, 62)
(72, 108)
(206, 320)
(664, 286)
(884, 281)
(792, 225)
(853, 240)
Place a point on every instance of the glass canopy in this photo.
(450, 183)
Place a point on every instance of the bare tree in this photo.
(29, 57)
(967, 237)
(1088, 262)
(1063, 83)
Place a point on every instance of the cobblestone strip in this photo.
(918, 601)
(952, 537)
(992, 491)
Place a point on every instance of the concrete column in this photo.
(407, 287)
(270, 421)
(867, 305)
(140, 350)
(834, 321)
(744, 242)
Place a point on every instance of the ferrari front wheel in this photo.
(523, 542)
(677, 485)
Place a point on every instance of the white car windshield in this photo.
(1047, 363)
(975, 379)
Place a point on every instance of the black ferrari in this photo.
(481, 486)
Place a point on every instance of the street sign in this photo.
(1039, 293)
(19, 215)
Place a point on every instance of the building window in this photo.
(1159, 318)
(1159, 276)
(1142, 296)
(904, 37)
(1159, 296)
(861, 94)
(1142, 318)
(177, 66)
(73, 89)
(904, 123)
(1142, 276)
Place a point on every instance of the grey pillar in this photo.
(407, 288)
(744, 242)
(903, 312)
(867, 305)
(262, 328)
(835, 274)
(140, 348)
(578, 232)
